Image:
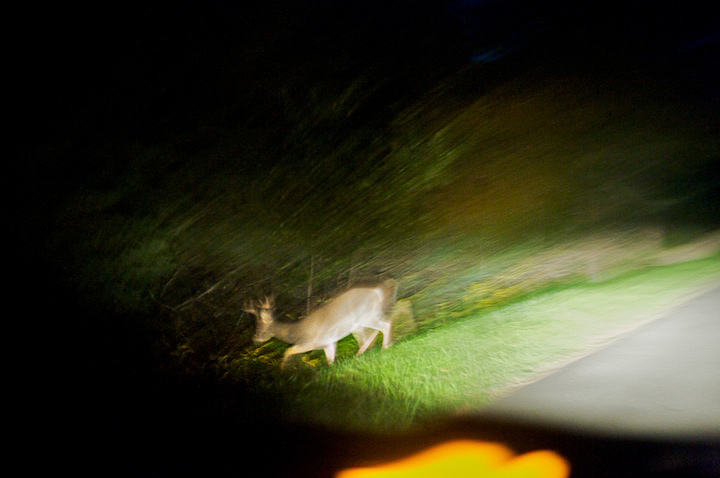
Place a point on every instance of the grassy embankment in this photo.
(463, 365)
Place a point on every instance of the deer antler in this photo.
(250, 308)
(253, 307)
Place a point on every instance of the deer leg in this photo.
(294, 350)
(364, 340)
(330, 352)
(385, 328)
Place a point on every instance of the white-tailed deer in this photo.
(359, 311)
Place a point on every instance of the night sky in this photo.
(77, 58)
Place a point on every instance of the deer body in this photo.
(359, 311)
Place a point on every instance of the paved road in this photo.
(662, 380)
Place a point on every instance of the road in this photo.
(662, 380)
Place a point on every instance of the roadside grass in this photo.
(463, 365)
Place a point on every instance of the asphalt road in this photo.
(661, 381)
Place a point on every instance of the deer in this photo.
(359, 311)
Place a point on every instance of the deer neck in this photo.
(289, 332)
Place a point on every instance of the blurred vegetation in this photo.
(234, 176)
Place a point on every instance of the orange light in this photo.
(465, 458)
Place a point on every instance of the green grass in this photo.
(462, 366)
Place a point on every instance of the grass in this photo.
(464, 365)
